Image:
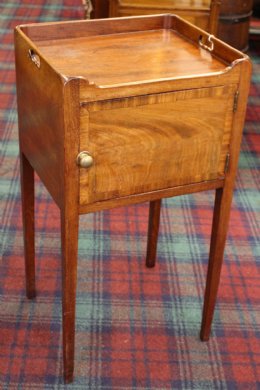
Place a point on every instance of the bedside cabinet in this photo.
(120, 111)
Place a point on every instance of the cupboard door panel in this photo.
(159, 141)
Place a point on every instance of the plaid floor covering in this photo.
(136, 328)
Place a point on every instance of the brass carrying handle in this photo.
(84, 159)
(34, 57)
(209, 47)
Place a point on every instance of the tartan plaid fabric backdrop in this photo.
(136, 328)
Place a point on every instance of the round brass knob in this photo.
(84, 159)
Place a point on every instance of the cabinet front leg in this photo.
(153, 230)
(69, 238)
(222, 207)
(27, 195)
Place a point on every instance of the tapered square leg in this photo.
(153, 230)
(27, 195)
(69, 238)
(218, 238)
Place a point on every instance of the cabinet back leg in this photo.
(153, 230)
(27, 195)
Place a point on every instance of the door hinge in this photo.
(235, 101)
(227, 163)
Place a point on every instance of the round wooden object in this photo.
(234, 22)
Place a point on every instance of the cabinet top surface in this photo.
(131, 51)
(128, 57)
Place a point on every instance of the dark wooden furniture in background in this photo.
(117, 90)
(233, 21)
(100, 9)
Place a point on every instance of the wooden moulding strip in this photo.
(145, 197)
(92, 93)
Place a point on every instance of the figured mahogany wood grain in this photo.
(164, 54)
(154, 142)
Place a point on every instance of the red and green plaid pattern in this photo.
(136, 328)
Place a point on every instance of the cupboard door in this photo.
(152, 142)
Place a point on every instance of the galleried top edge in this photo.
(112, 53)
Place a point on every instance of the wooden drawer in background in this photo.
(233, 21)
(196, 12)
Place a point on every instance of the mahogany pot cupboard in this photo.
(177, 95)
